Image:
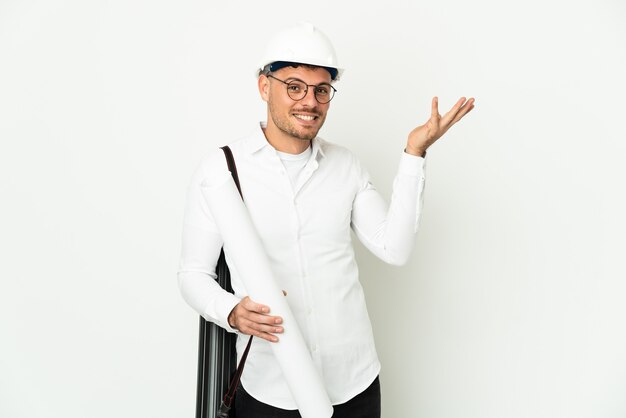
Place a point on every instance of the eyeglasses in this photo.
(297, 90)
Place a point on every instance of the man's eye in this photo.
(294, 88)
(322, 90)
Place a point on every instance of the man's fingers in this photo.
(260, 334)
(257, 312)
(259, 330)
(251, 305)
(262, 319)
(460, 115)
(435, 108)
(260, 327)
(448, 118)
(467, 107)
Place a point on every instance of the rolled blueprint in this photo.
(247, 254)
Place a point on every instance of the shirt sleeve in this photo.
(389, 231)
(201, 247)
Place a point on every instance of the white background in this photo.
(513, 304)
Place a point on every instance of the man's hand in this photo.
(252, 318)
(425, 135)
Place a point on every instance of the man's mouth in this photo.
(307, 118)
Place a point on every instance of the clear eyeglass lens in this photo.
(323, 93)
(296, 89)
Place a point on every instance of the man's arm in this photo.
(201, 247)
(389, 232)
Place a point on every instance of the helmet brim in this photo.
(277, 65)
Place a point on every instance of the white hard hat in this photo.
(302, 44)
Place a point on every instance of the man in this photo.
(304, 194)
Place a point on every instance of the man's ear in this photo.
(264, 87)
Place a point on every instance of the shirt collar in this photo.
(256, 140)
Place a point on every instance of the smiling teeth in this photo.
(305, 117)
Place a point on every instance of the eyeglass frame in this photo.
(306, 91)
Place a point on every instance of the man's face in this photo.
(300, 119)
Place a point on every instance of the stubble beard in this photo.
(287, 127)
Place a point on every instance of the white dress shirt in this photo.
(305, 229)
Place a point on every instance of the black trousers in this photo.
(364, 405)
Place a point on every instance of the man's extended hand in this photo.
(252, 318)
(425, 135)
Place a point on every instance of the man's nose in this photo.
(309, 98)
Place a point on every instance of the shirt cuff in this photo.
(412, 165)
(223, 307)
